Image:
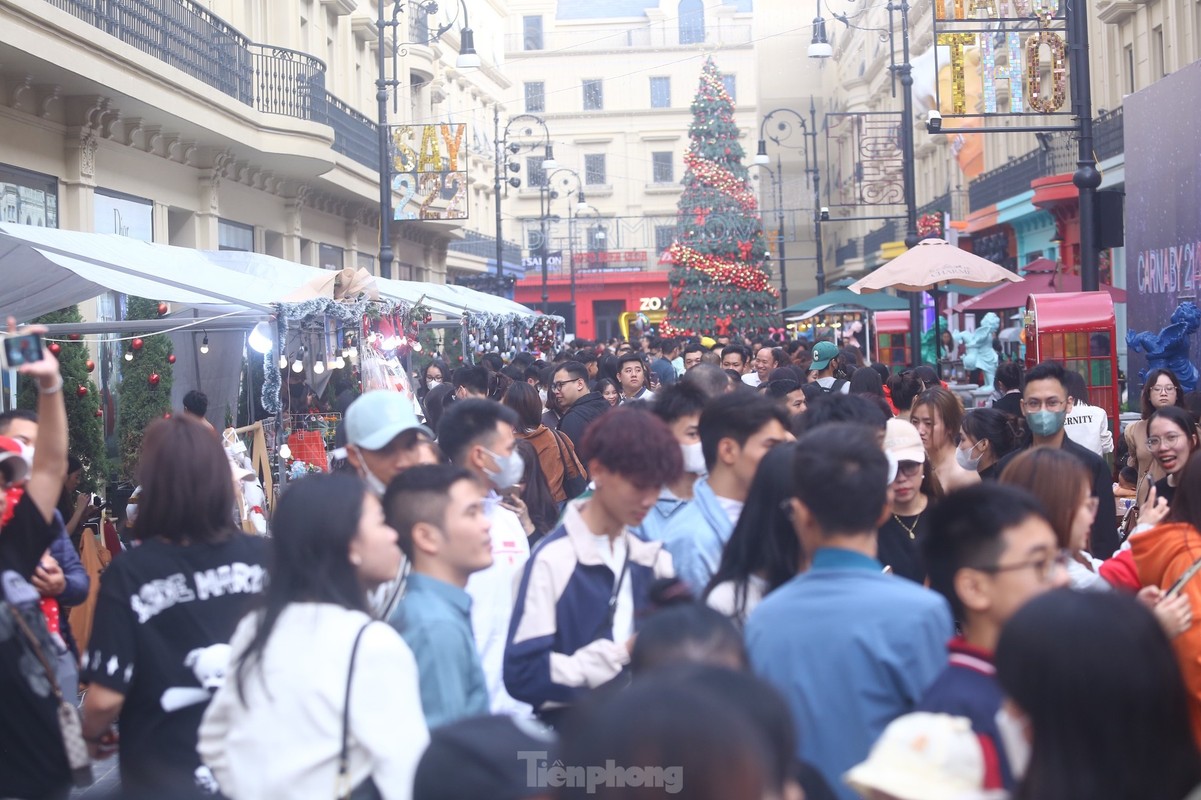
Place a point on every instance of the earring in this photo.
(356, 560)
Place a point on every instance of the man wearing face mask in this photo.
(680, 406)
(384, 438)
(1046, 405)
(479, 436)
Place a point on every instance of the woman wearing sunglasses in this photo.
(914, 490)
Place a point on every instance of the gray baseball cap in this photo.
(378, 417)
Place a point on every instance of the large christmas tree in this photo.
(718, 282)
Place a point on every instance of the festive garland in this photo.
(719, 269)
(721, 179)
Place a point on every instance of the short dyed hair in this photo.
(420, 494)
(635, 444)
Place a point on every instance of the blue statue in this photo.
(1169, 348)
(979, 353)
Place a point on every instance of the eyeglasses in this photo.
(1052, 404)
(1169, 389)
(1153, 442)
(1044, 567)
(909, 468)
(557, 386)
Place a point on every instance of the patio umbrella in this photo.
(931, 264)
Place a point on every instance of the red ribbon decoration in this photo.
(744, 250)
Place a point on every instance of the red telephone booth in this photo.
(892, 339)
(1078, 330)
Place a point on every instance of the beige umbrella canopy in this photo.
(930, 264)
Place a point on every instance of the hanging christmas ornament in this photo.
(171, 359)
(162, 309)
(81, 391)
(99, 413)
(154, 379)
(75, 337)
(136, 344)
(90, 364)
(55, 348)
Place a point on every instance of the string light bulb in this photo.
(283, 362)
(204, 344)
(129, 355)
(318, 367)
(298, 366)
(340, 363)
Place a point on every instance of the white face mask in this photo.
(376, 486)
(1013, 738)
(510, 469)
(432, 382)
(694, 458)
(966, 460)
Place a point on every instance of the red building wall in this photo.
(628, 288)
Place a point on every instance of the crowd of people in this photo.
(712, 568)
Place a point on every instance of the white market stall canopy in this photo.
(45, 269)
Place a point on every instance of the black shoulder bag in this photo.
(367, 790)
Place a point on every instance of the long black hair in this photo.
(764, 541)
(312, 528)
(1097, 677)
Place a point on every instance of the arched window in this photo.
(692, 21)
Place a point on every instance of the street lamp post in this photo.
(506, 149)
(784, 130)
(467, 59)
(580, 205)
(820, 48)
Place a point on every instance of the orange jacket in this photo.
(1162, 555)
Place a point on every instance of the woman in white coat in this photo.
(276, 728)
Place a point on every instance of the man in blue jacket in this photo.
(680, 406)
(850, 647)
(736, 430)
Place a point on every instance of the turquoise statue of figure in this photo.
(1168, 349)
(979, 352)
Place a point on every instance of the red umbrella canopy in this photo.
(1041, 278)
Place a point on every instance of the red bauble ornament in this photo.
(90, 364)
(154, 379)
(162, 309)
(75, 337)
(136, 344)
(55, 348)
(82, 391)
(99, 413)
(171, 359)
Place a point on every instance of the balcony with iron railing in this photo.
(481, 245)
(1007, 180)
(891, 231)
(1058, 156)
(1108, 134)
(272, 80)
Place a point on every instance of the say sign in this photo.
(429, 171)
